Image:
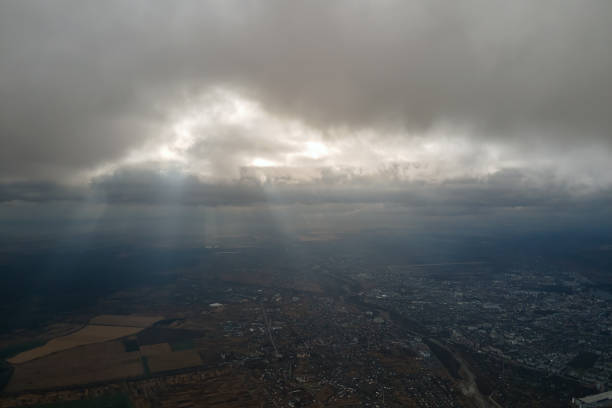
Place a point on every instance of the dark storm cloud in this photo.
(82, 83)
(38, 191)
(514, 190)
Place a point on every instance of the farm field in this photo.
(80, 365)
(100, 329)
(88, 335)
(130, 353)
(153, 349)
(106, 401)
(125, 320)
(174, 360)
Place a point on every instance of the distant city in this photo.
(310, 322)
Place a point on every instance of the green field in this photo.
(131, 345)
(15, 349)
(182, 345)
(6, 371)
(145, 366)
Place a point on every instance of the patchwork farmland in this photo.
(100, 329)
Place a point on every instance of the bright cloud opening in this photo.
(222, 133)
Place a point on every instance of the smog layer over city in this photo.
(305, 204)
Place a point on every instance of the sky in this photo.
(434, 105)
(138, 136)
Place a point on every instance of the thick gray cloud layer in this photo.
(506, 190)
(83, 83)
